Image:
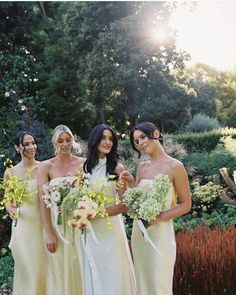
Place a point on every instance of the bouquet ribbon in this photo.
(95, 277)
(56, 226)
(90, 228)
(147, 238)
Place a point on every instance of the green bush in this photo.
(202, 122)
(203, 141)
(225, 216)
(208, 164)
(6, 271)
(231, 121)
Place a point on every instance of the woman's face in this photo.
(143, 143)
(28, 147)
(106, 144)
(64, 143)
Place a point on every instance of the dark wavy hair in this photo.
(147, 128)
(20, 138)
(92, 157)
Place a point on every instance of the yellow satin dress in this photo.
(154, 273)
(28, 249)
(65, 268)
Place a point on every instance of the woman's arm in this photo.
(127, 178)
(181, 184)
(121, 184)
(120, 207)
(51, 238)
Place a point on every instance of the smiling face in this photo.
(143, 143)
(64, 143)
(106, 144)
(27, 147)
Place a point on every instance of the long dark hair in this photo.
(92, 157)
(20, 138)
(147, 128)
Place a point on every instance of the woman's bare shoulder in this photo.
(177, 168)
(81, 160)
(46, 164)
(174, 163)
(8, 172)
(78, 161)
(143, 164)
(14, 169)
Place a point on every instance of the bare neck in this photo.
(28, 163)
(158, 154)
(64, 158)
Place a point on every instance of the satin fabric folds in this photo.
(154, 272)
(108, 264)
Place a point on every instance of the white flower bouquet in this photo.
(54, 194)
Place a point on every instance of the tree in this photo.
(93, 62)
(119, 64)
(215, 92)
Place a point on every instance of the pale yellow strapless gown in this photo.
(65, 269)
(28, 249)
(108, 264)
(154, 274)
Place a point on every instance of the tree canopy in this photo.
(83, 63)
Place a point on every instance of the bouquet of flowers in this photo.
(85, 202)
(146, 205)
(99, 192)
(16, 192)
(54, 194)
(85, 212)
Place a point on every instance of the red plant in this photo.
(206, 261)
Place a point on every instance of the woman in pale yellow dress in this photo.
(65, 271)
(26, 243)
(153, 270)
(107, 262)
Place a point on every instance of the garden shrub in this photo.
(208, 164)
(203, 141)
(224, 216)
(229, 144)
(125, 149)
(128, 157)
(206, 261)
(5, 227)
(174, 148)
(6, 272)
(204, 196)
(201, 122)
(231, 121)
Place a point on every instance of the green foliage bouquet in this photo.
(146, 205)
